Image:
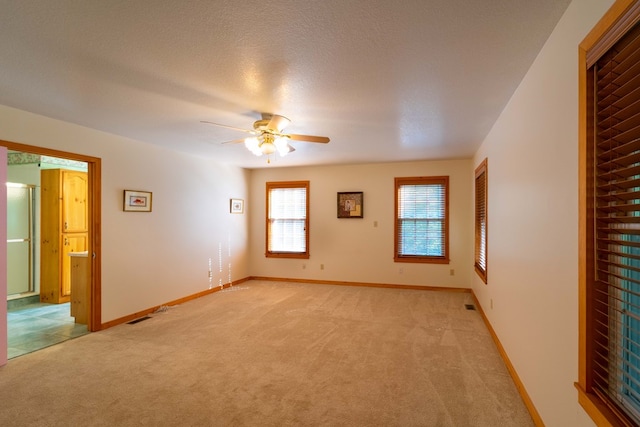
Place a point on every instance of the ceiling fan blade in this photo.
(251, 131)
(308, 138)
(233, 141)
(278, 122)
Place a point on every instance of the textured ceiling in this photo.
(385, 80)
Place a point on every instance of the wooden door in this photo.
(76, 242)
(80, 288)
(75, 215)
(50, 223)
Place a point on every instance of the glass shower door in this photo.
(20, 245)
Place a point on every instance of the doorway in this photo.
(55, 317)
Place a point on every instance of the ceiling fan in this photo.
(267, 136)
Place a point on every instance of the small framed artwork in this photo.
(237, 206)
(137, 201)
(350, 204)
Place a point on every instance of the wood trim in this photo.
(95, 237)
(142, 313)
(537, 419)
(95, 242)
(423, 260)
(614, 24)
(421, 180)
(600, 413)
(599, 36)
(25, 148)
(287, 255)
(483, 168)
(594, 406)
(287, 184)
(362, 284)
(583, 220)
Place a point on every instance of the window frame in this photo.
(481, 243)
(422, 180)
(622, 15)
(286, 185)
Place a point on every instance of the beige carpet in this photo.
(275, 354)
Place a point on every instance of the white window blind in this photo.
(287, 218)
(422, 219)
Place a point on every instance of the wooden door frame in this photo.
(95, 196)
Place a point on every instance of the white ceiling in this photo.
(385, 80)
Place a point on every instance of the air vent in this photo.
(133, 322)
(470, 306)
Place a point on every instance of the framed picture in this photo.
(350, 204)
(137, 201)
(237, 206)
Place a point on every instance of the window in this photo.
(422, 219)
(609, 358)
(288, 219)
(481, 221)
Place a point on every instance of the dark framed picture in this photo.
(350, 204)
(137, 201)
(237, 206)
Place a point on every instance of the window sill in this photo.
(286, 255)
(424, 260)
(481, 273)
(599, 412)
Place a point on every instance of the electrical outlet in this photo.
(375, 223)
(400, 270)
(321, 266)
(304, 266)
(491, 303)
(452, 272)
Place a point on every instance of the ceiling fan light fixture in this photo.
(282, 144)
(267, 136)
(267, 148)
(253, 145)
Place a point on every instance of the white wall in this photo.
(533, 222)
(354, 250)
(151, 258)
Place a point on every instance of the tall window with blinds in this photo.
(480, 221)
(612, 212)
(287, 219)
(422, 219)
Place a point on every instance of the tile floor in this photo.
(35, 326)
